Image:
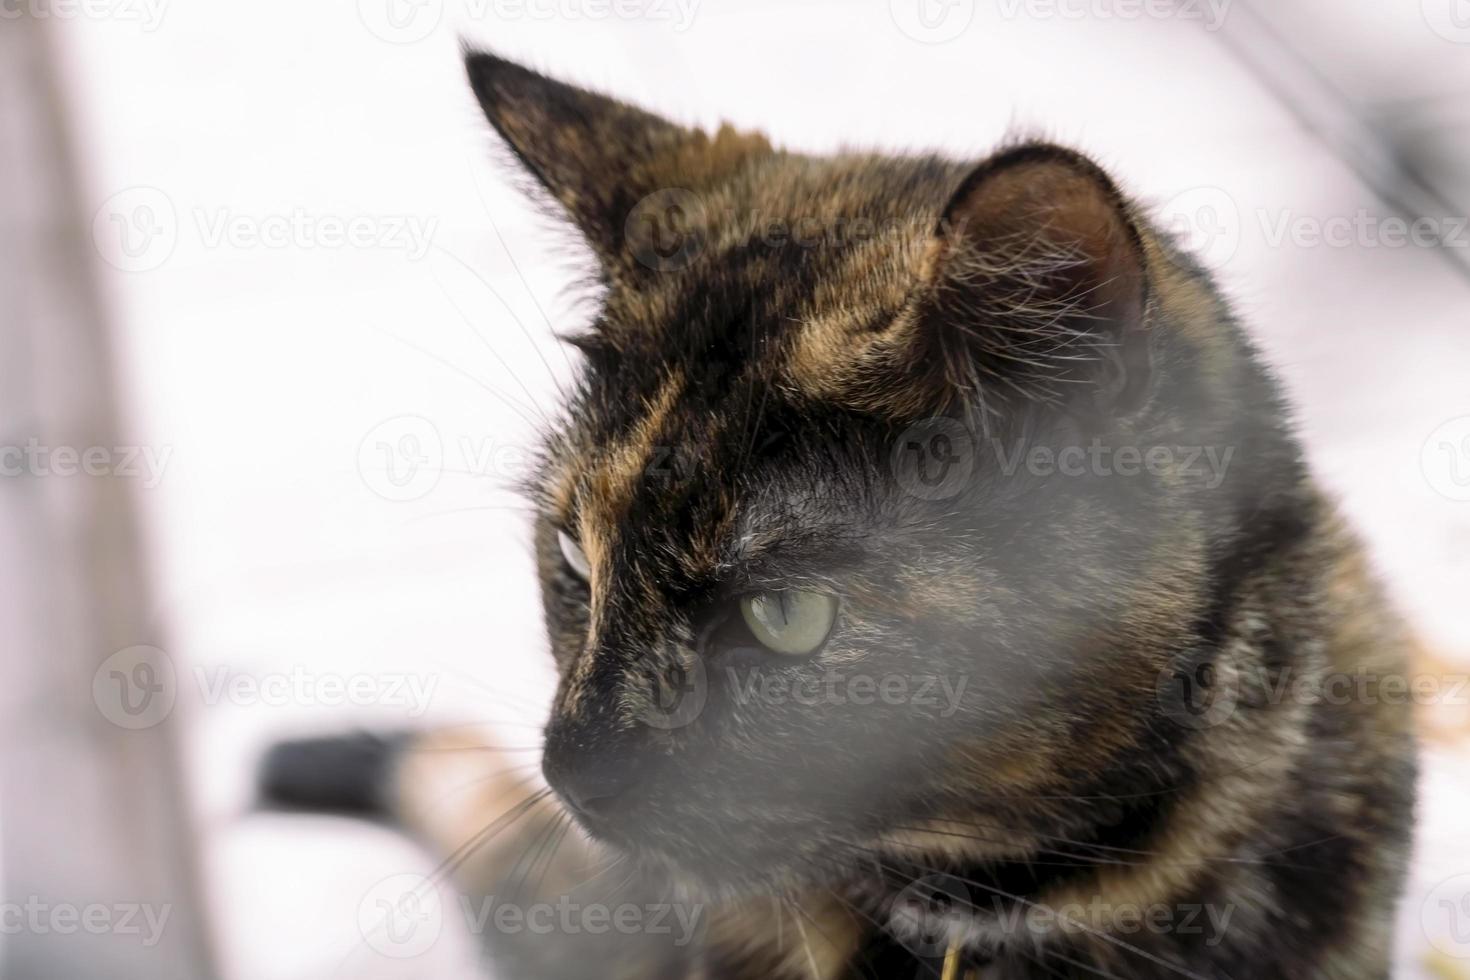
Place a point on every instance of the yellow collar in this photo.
(954, 969)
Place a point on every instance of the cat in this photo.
(936, 587)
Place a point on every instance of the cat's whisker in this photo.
(513, 318)
(805, 941)
(508, 699)
(515, 375)
(1151, 856)
(530, 293)
(531, 857)
(478, 509)
(448, 866)
(616, 861)
(452, 793)
(505, 399)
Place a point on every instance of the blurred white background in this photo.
(335, 317)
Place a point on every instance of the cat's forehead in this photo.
(713, 356)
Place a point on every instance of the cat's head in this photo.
(852, 542)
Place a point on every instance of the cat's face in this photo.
(812, 598)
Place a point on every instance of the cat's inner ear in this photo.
(604, 161)
(1036, 284)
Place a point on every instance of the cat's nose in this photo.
(593, 776)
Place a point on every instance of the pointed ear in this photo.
(600, 158)
(1036, 285)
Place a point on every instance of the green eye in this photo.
(792, 622)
